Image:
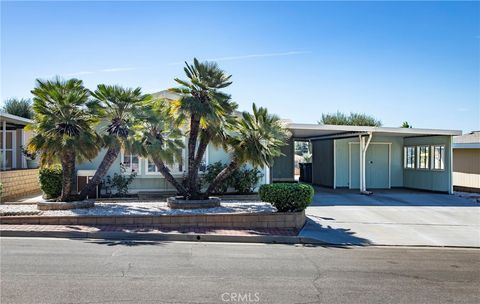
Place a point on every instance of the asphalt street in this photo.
(36, 270)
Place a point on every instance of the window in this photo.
(130, 163)
(438, 157)
(409, 157)
(174, 168)
(423, 157)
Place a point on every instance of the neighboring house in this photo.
(466, 162)
(12, 138)
(16, 181)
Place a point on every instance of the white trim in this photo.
(418, 157)
(372, 143)
(399, 131)
(15, 118)
(334, 164)
(267, 175)
(173, 172)
(450, 176)
(122, 154)
(432, 157)
(24, 158)
(13, 149)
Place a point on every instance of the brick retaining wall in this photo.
(294, 220)
(17, 183)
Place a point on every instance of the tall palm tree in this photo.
(63, 126)
(204, 109)
(117, 108)
(255, 139)
(157, 138)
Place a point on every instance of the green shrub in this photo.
(245, 180)
(287, 197)
(1, 188)
(51, 181)
(121, 183)
(210, 174)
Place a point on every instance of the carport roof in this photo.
(313, 131)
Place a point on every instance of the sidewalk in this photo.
(206, 234)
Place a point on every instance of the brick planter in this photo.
(17, 183)
(293, 220)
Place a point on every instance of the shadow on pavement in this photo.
(330, 235)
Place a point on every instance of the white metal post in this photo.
(4, 145)
(360, 148)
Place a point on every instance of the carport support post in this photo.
(363, 152)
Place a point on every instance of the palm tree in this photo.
(117, 107)
(255, 139)
(157, 138)
(204, 109)
(63, 126)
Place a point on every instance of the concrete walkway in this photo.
(393, 217)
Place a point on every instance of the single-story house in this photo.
(12, 138)
(466, 162)
(354, 157)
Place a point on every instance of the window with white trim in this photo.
(131, 163)
(423, 157)
(151, 169)
(438, 157)
(409, 158)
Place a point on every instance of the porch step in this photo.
(146, 195)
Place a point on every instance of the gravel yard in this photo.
(138, 208)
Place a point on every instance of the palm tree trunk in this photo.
(108, 160)
(202, 148)
(68, 168)
(169, 177)
(222, 176)
(192, 145)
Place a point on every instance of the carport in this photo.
(367, 158)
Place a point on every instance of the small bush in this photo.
(287, 197)
(212, 172)
(51, 181)
(245, 180)
(1, 188)
(121, 183)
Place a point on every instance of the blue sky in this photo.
(400, 61)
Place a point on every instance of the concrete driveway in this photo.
(393, 217)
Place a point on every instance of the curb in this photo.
(272, 239)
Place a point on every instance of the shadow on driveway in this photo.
(390, 197)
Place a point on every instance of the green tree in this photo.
(256, 138)
(204, 111)
(19, 107)
(405, 124)
(117, 108)
(63, 126)
(354, 119)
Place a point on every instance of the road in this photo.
(35, 270)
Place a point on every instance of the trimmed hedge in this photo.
(51, 181)
(287, 197)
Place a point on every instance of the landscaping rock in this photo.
(180, 203)
(65, 205)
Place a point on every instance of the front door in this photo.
(377, 166)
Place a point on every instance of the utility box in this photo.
(83, 178)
